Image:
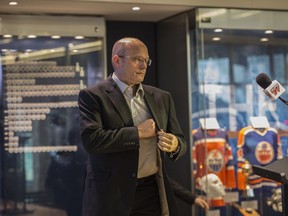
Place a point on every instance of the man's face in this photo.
(132, 67)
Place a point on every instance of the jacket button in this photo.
(133, 175)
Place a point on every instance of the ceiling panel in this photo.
(151, 10)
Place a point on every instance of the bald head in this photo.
(129, 60)
(127, 46)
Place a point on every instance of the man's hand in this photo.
(202, 203)
(147, 129)
(167, 142)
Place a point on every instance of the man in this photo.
(128, 129)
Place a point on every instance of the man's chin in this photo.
(140, 80)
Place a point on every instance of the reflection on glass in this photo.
(43, 160)
(224, 85)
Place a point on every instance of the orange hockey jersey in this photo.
(212, 154)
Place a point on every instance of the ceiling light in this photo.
(79, 37)
(136, 8)
(264, 39)
(218, 30)
(13, 3)
(7, 36)
(55, 37)
(31, 36)
(216, 38)
(269, 32)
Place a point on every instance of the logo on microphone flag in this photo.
(274, 90)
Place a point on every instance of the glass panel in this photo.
(43, 162)
(234, 47)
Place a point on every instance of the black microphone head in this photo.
(263, 80)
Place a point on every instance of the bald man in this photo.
(128, 128)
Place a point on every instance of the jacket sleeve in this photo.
(182, 192)
(174, 128)
(102, 129)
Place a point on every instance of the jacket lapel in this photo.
(117, 98)
(153, 107)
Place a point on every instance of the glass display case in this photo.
(45, 61)
(233, 47)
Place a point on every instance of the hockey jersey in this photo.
(212, 154)
(258, 148)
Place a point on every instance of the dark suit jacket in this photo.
(182, 193)
(111, 139)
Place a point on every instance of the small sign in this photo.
(209, 123)
(250, 204)
(215, 212)
(231, 196)
(259, 122)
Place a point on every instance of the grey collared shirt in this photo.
(148, 147)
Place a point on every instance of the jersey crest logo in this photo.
(215, 161)
(264, 152)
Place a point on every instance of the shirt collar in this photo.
(123, 86)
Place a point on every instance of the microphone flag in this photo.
(274, 90)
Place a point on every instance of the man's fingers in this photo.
(164, 147)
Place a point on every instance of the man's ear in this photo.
(116, 60)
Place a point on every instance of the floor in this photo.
(30, 210)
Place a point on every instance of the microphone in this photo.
(273, 89)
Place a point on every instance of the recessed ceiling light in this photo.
(7, 36)
(264, 39)
(268, 32)
(216, 38)
(79, 37)
(55, 37)
(218, 30)
(31, 36)
(13, 3)
(136, 8)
